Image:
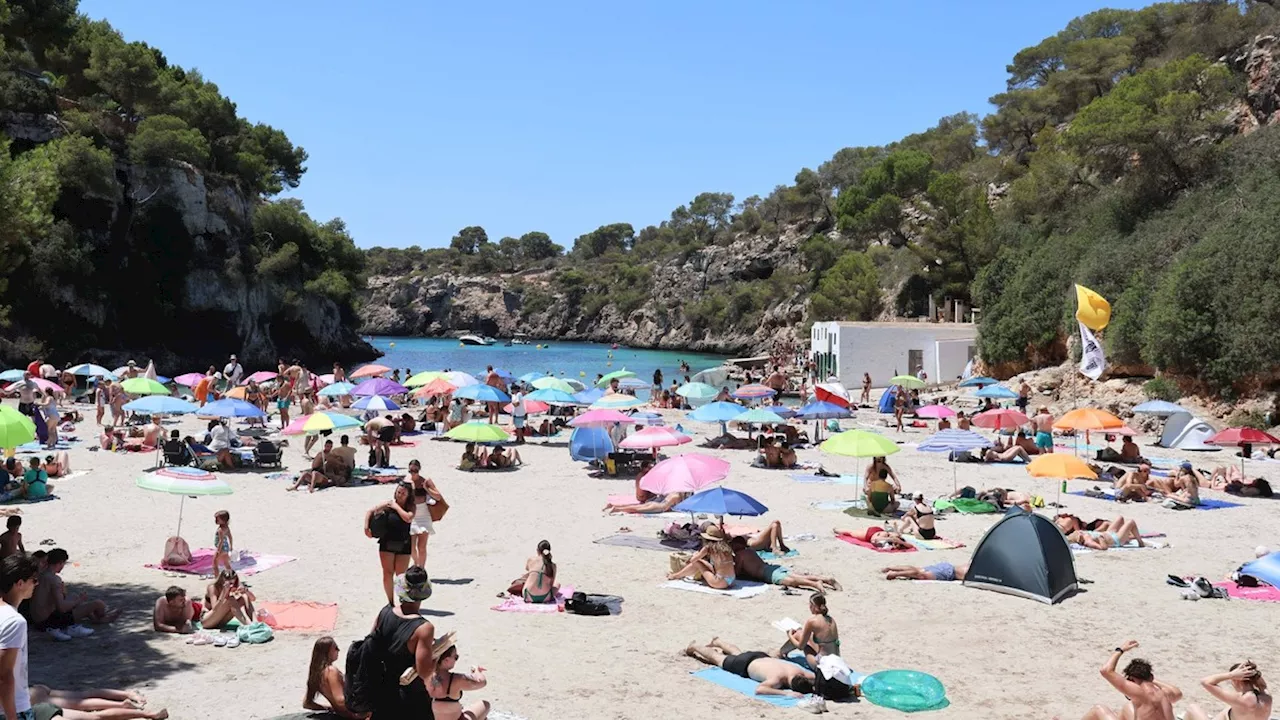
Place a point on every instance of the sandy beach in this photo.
(998, 656)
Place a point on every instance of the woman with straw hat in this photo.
(446, 686)
(713, 564)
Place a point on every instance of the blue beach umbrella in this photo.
(11, 375)
(529, 377)
(588, 444)
(954, 440)
(588, 396)
(92, 370)
(230, 407)
(722, 501)
(483, 393)
(717, 412)
(979, 381)
(996, 392)
(822, 410)
(552, 396)
(375, 402)
(160, 405)
(336, 389)
(1159, 408)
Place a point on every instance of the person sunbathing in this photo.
(57, 464)
(325, 679)
(95, 704)
(770, 538)
(500, 459)
(1005, 497)
(713, 564)
(657, 506)
(174, 613)
(942, 571)
(1185, 487)
(469, 460)
(774, 675)
(770, 455)
(818, 637)
(444, 682)
(918, 520)
(1021, 440)
(1009, 454)
(748, 565)
(730, 442)
(1068, 523)
(1246, 699)
(878, 536)
(643, 495)
(1119, 533)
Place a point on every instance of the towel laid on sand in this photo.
(864, 544)
(249, 563)
(641, 542)
(741, 589)
(518, 605)
(1082, 550)
(837, 504)
(768, 554)
(303, 616)
(743, 686)
(938, 543)
(1262, 593)
(841, 480)
(1205, 503)
(25, 501)
(965, 506)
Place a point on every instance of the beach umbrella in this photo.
(371, 370)
(697, 391)
(190, 379)
(375, 402)
(11, 375)
(588, 396)
(689, 472)
(337, 389)
(954, 440)
(15, 428)
(460, 379)
(326, 379)
(822, 410)
(482, 393)
(647, 418)
(183, 487)
(754, 391)
(319, 422)
(551, 396)
(996, 392)
(477, 431)
(532, 407)
(1088, 419)
(716, 412)
(502, 373)
(722, 501)
(422, 378)
(260, 377)
(910, 382)
(632, 383)
(92, 370)
(143, 386)
(935, 412)
(758, 416)
(654, 437)
(1159, 408)
(41, 384)
(619, 374)
(978, 381)
(436, 387)
(833, 393)
(600, 417)
(1000, 419)
(859, 443)
(1242, 436)
(529, 377)
(576, 385)
(236, 393)
(379, 386)
(230, 407)
(160, 405)
(617, 401)
(1059, 465)
(550, 383)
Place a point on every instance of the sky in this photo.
(422, 118)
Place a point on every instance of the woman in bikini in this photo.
(1119, 533)
(1246, 699)
(325, 679)
(649, 508)
(713, 564)
(877, 536)
(446, 686)
(918, 520)
(818, 636)
(225, 599)
(540, 576)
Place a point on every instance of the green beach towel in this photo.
(968, 506)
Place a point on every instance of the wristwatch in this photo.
(1120, 650)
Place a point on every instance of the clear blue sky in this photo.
(425, 117)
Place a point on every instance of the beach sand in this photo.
(998, 656)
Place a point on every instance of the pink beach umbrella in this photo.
(259, 377)
(689, 472)
(41, 383)
(654, 437)
(189, 379)
(533, 407)
(600, 417)
(935, 412)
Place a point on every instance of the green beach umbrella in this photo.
(475, 431)
(859, 443)
(423, 378)
(15, 428)
(550, 383)
(183, 487)
(759, 416)
(616, 374)
(143, 386)
(910, 382)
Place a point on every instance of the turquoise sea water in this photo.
(582, 361)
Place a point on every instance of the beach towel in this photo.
(518, 605)
(837, 504)
(643, 542)
(1082, 550)
(404, 443)
(1261, 593)
(25, 501)
(742, 686)
(862, 512)
(864, 544)
(768, 554)
(741, 589)
(966, 506)
(249, 563)
(937, 543)
(303, 616)
(816, 479)
(70, 476)
(1205, 503)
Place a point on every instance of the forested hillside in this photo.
(135, 213)
(1130, 152)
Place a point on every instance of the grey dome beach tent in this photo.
(1024, 555)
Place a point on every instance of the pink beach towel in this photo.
(248, 564)
(518, 605)
(303, 616)
(1263, 593)
(622, 500)
(864, 544)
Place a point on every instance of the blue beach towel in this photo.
(1205, 503)
(743, 686)
(768, 554)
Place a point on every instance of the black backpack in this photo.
(364, 676)
(378, 524)
(578, 604)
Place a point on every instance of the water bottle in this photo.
(264, 616)
(1064, 485)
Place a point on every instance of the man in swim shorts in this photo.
(942, 572)
(748, 565)
(1043, 423)
(775, 676)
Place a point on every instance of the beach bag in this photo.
(378, 524)
(176, 552)
(364, 674)
(255, 633)
(679, 560)
(438, 509)
(579, 604)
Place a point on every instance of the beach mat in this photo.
(1205, 503)
(741, 589)
(1262, 593)
(641, 542)
(1082, 550)
(862, 512)
(937, 543)
(965, 506)
(838, 505)
(742, 686)
(303, 616)
(25, 501)
(823, 479)
(768, 554)
(247, 565)
(864, 544)
(517, 604)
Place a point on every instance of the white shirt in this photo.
(233, 371)
(13, 636)
(517, 405)
(219, 440)
(27, 390)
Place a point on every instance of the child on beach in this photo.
(222, 541)
(11, 539)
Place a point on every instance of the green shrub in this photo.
(1162, 388)
(161, 138)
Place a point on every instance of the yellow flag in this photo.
(1092, 310)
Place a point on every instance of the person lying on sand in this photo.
(713, 565)
(174, 613)
(657, 506)
(1246, 699)
(748, 565)
(57, 464)
(96, 704)
(1005, 497)
(1120, 533)
(730, 442)
(1148, 698)
(1015, 452)
(942, 571)
(877, 536)
(775, 676)
(1068, 523)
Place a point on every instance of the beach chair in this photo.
(267, 454)
(176, 452)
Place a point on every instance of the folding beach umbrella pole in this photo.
(193, 484)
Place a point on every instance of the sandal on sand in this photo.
(624, 529)
(220, 641)
(233, 641)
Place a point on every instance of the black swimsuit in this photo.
(447, 690)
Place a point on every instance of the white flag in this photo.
(968, 371)
(1092, 360)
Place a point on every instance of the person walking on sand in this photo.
(1043, 424)
(394, 543)
(493, 380)
(865, 399)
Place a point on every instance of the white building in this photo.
(848, 349)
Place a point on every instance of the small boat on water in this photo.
(519, 339)
(475, 340)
